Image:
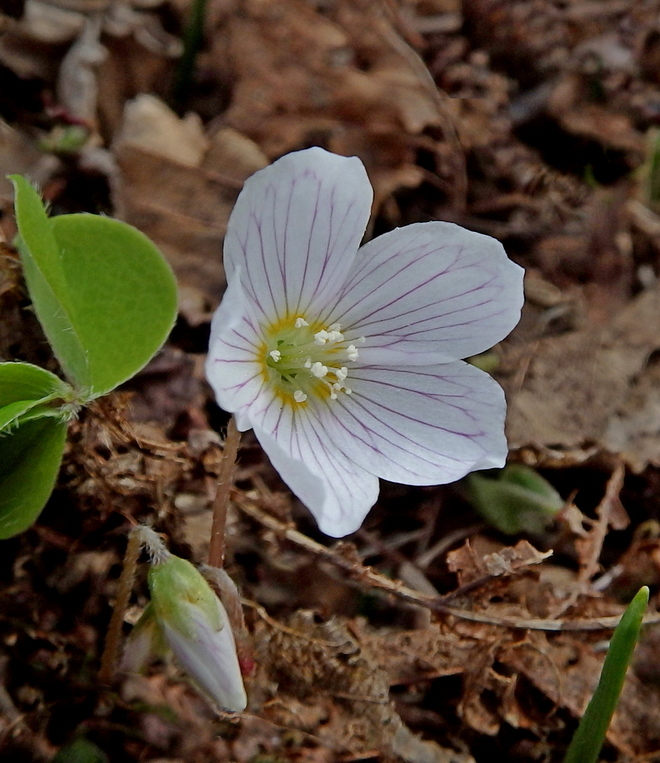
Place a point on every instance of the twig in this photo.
(373, 579)
(109, 658)
(221, 502)
(425, 559)
(284, 628)
(606, 513)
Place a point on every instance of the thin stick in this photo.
(351, 564)
(221, 502)
(113, 637)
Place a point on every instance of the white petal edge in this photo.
(295, 230)
(209, 658)
(430, 293)
(420, 425)
(233, 367)
(336, 492)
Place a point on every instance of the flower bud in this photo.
(195, 625)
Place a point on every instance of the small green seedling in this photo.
(106, 299)
(588, 740)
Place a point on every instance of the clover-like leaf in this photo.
(30, 458)
(27, 391)
(104, 294)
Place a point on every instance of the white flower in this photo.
(345, 360)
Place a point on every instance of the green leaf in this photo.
(46, 281)
(24, 388)
(30, 458)
(80, 750)
(102, 291)
(124, 295)
(517, 500)
(588, 740)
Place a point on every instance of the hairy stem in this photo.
(113, 637)
(221, 502)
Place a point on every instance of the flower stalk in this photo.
(125, 586)
(221, 501)
(184, 615)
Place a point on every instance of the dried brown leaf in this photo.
(577, 385)
(470, 565)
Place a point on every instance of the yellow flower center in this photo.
(305, 359)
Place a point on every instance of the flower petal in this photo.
(338, 493)
(433, 292)
(295, 230)
(420, 426)
(209, 658)
(232, 365)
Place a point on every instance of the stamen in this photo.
(319, 370)
(321, 337)
(307, 362)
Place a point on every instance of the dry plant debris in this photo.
(427, 638)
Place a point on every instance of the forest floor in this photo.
(428, 636)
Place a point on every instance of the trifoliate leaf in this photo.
(30, 458)
(104, 294)
(24, 388)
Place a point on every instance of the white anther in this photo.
(319, 370)
(351, 352)
(337, 387)
(335, 336)
(308, 363)
(299, 396)
(333, 395)
(362, 339)
(335, 327)
(341, 373)
(348, 390)
(275, 355)
(321, 337)
(300, 322)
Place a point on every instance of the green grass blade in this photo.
(588, 740)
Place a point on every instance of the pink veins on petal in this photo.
(346, 360)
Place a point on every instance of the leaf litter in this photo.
(426, 637)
